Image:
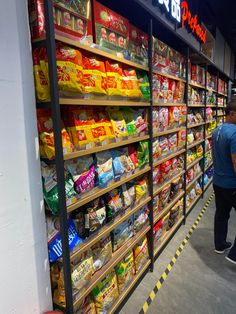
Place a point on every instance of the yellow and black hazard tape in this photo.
(174, 259)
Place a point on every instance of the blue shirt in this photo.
(223, 145)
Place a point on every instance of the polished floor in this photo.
(201, 282)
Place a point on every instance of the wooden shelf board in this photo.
(189, 166)
(101, 148)
(170, 76)
(116, 258)
(196, 105)
(168, 157)
(209, 166)
(129, 288)
(210, 121)
(168, 236)
(160, 188)
(168, 132)
(193, 203)
(99, 192)
(196, 85)
(168, 207)
(99, 52)
(195, 125)
(221, 106)
(194, 144)
(194, 180)
(103, 102)
(163, 104)
(211, 105)
(107, 229)
(222, 94)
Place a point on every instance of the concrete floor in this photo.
(201, 282)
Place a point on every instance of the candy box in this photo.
(72, 18)
(111, 29)
(138, 45)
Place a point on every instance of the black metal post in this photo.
(204, 143)
(56, 117)
(186, 142)
(150, 123)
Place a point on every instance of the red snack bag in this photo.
(131, 84)
(114, 79)
(94, 76)
(171, 90)
(166, 169)
(174, 117)
(173, 142)
(133, 156)
(157, 175)
(163, 118)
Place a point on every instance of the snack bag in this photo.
(198, 188)
(179, 92)
(144, 84)
(176, 186)
(165, 196)
(164, 145)
(157, 176)
(125, 271)
(182, 115)
(140, 118)
(45, 128)
(199, 150)
(83, 173)
(82, 271)
(106, 293)
(54, 238)
(122, 233)
(104, 168)
(143, 154)
(157, 232)
(41, 82)
(165, 223)
(173, 142)
(102, 253)
(192, 195)
(121, 164)
(174, 117)
(141, 189)
(114, 79)
(50, 190)
(95, 216)
(140, 253)
(140, 218)
(94, 76)
(174, 216)
(156, 149)
(118, 122)
(166, 168)
(190, 136)
(163, 119)
(155, 120)
(156, 205)
(114, 203)
(129, 117)
(131, 84)
(87, 306)
(128, 194)
(133, 156)
(182, 138)
(69, 69)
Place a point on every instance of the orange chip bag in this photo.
(114, 79)
(94, 76)
(69, 69)
(41, 82)
(47, 136)
(131, 84)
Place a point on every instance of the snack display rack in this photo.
(72, 303)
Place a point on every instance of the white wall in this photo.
(24, 276)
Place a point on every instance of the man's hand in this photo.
(234, 161)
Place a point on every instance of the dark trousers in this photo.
(225, 201)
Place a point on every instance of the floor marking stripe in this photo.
(174, 259)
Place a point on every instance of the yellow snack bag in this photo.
(87, 307)
(125, 271)
(131, 84)
(106, 293)
(118, 122)
(140, 253)
(114, 79)
(41, 82)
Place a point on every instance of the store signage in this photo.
(179, 11)
(192, 22)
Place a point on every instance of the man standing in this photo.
(224, 181)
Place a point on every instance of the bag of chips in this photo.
(165, 196)
(173, 142)
(83, 173)
(144, 84)
(50, 190)
(106, 293)
(141, 253)
(121, 164)
(94, 76)
(140, 218)
(118, 122)
(140, 118)
(114, 203)
(54, 238)
(182, 138)
(174, 117)
(128, 194)
(155, 120)
(125, 271)
(41, 82)
(143, 154)
(156, 205)
(102, 253)
(164, 145)
(165, 223)
(156, 149)
(131, 84)
(198, 188)
(114, 79)
(104, 168)
(129, 117)
(122, 233)
(158, 232)
(166, 168)
(163, 118)
(157, 176)
(141, 189)
(87, 306)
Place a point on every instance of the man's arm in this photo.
(234, 161)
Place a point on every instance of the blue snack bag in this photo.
(104, 168)
(54, 238)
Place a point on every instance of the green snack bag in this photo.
(143, 154)
(144, 84)
(130, 122)
(125, 271)
(50, 188)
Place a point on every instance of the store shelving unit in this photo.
(56, 104)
